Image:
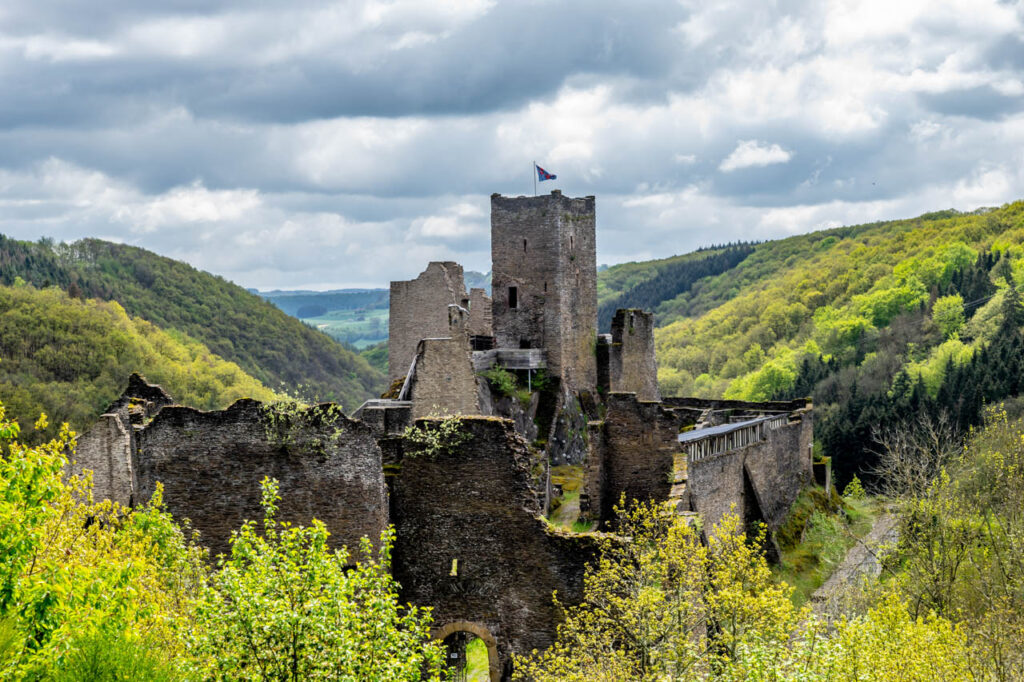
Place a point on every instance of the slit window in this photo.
(524, 246)
(513, 297)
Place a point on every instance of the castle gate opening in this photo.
(460, 636)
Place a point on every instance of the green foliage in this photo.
(501, 380)
(233, 323)
(477, 664)
(285, 420)
(854, 490)
(875, 322)
(815, 536)
(284, 606)
(114, 658)
(70, 358)
(961, 548)
(433, 437)
(948, 315)
(377, 356)
(74, 572)
(93, 591)
(661, 605)
(669, 280)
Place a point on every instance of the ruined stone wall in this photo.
(715, 484)
(211, 464)
(780, 467)
(443, 382)
(106, 450)
(632, 367)
(419, 310)
(480, 313)
(640, 442)
(545, 247)
(474, 504)
(775, 470)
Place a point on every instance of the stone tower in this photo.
(544, 281)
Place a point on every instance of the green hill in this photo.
(70, 358)
(671, 287)
(278, 350)
(882, 324)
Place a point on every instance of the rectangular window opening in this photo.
(513, 297)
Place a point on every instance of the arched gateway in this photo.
(479, 630)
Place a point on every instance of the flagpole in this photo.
(534, 170)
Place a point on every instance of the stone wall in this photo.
(480, 313)
(632, 367)
(442, 381)
(762, 479)
(470, 543)
(640, 443)
(780, 467)
(211, 464)
(419, 310)
(544, 247)
(106, 450)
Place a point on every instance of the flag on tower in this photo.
(543, 175)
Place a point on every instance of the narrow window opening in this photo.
(513, 297)
(524, 246)
(465, 303)
(570, 242)
(524, 343)
(545, 287)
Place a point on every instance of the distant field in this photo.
(360, 328)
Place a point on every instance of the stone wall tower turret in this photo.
(544, 281)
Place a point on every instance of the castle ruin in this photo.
(471, 539)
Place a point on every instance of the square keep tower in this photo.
(544, 281)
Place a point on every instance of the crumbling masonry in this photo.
(471, 540)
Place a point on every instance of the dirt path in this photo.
(861, 559)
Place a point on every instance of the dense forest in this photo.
(278, 350)
(668, 285)
(70, 358)
(876, 322)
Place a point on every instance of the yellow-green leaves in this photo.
(285, 606)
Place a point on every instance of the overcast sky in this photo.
(309, 144)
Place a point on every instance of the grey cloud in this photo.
(983, 102)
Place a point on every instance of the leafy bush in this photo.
(501, 380)
(284, 606)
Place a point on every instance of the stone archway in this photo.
(480, 631)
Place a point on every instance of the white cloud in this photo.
(750, 153)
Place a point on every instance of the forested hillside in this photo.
(70, 358)
(235, 324)
(667, 287)
(879, 322)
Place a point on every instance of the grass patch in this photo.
(478, 668)
(816, 535)
(565, 510)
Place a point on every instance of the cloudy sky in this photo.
(314, 144)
